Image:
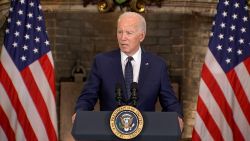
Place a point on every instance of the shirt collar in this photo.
(136, 56)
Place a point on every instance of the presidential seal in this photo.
(126, 122)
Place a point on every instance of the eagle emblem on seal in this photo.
(127, 122)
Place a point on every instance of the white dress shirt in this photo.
(136, 63)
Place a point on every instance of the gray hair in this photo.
(142, 24)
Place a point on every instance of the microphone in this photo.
(118, 93)
(133, 90)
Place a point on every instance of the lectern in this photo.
(94, 126)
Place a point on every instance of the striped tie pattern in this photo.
(128, 75)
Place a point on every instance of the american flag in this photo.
(223, 109)
(27, 89)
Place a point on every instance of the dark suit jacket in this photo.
(107, 71)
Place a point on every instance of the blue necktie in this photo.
(128, 75)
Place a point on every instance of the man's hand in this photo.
(181, 123)
(73, 117)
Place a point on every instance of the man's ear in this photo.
(142, 36)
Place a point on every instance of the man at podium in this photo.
(117, 69)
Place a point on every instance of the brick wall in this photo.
(196, 33)
(181, 39)
(81, 35)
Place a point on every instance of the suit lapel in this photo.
(118, 74)
(144, 69)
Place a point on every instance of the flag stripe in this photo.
(3, 136)
(13, 96)
(240, 94)
(49, 55)
(195, 136)
(223, 83)
(44, 88)
(206, 117)
(47, 67)
(221, 100)
(11, 115)
(5, 124)
(23, 95)
(39, 102)
(247, 63)
(244, 79)
(201, 130)
(215, 111)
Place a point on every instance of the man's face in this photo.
(129, 35)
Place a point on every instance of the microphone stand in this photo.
(134, 94)
(118, 92)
